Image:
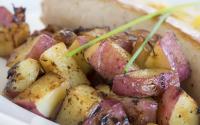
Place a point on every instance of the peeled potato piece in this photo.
(177, 108)
(55, 60)
(33, 48)
(21, 76)
(169, 55)
(77, 105)
(44, 96)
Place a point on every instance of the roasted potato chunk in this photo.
(77, 105)
(65, 36)
(33, 48)
(140, 36)
(85, 35)
(140, 111)
(145, 83)
(177, 108)
(108, 59)
(169, 55)
(55, 60)
(125, 40)
(110, 112)
(79, 57)
(21, 76)
(12, 37)
(6, 43)
(13, 30)
(44, 96)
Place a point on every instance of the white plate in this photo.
(11, 114)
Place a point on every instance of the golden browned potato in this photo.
(77, 105)
(54, 60)
(13, 30)
(12, 37)
(44, 96)
(6, 43)
(21, 76)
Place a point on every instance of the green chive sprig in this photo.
(129, 25)
(150, 35)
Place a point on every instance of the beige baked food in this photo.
(97, 13)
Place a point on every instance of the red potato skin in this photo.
(10, 94)
(124, 40)
(6, 17)
(108, 112)
(42, 45)
(109, 61)
(29, 106)
(140, 111)
(167, 103)
(141, 34)
(129, 85)
(83, 39)
(175, 55)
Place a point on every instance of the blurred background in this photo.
(34, 10)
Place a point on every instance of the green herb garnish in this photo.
(129, 25)
(150, 35)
